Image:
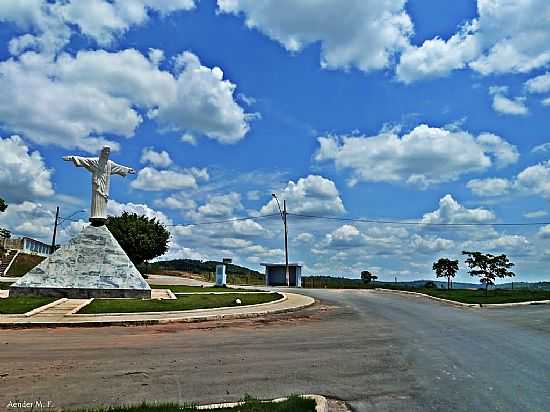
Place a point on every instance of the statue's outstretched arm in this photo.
(86, 162)
(117, 169)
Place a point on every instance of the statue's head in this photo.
(105, 151)
(104, 155)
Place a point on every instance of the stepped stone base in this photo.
(91, 265)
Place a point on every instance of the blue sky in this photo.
(435, 112)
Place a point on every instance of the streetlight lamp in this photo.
(284, 218)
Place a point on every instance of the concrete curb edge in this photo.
(320, 401)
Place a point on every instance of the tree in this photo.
(446, 268)
(4, 233)
(142, 238)
(488, 267)
(368, 277)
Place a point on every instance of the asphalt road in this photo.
(380, 352)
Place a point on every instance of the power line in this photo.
(403, 222)
(212, 222)
(344, 219)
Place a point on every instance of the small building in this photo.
(275, 274)
(26, 245)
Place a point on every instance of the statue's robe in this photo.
(101, 175)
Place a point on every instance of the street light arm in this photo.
(278, 205)
(75, 213)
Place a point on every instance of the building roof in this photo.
(280, 264)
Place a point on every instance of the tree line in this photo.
(486, 266)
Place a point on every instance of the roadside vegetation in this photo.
(23, 304)
(184, 302)
(445, 268)
(292, 404)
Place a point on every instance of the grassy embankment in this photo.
(292, 404)
(23, 304)
(23, 263)
(478, 296)
(205, 270)
(186, 302)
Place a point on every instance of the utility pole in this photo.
(284, 214)
(286, 244)
(55, 230)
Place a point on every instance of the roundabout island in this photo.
(168, 304)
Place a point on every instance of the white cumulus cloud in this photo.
(437, 57)
(97, 92)
(50, 24)
(489, 187)
(159, 159)
(23, 174)
(533, 180)
(311, 194)
(506, 37)
(115, 208)
(539, 84)
(505, 105)
(536, 214)
(364, 34)
(450, 211)
(203, 102)
(424, 156)
(152, 179)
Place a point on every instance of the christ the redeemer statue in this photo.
(101, 168)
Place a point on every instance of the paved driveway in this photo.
(378, 351)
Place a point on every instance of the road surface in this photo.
(380, 352)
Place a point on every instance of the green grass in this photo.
(198, 289)
(187, 302)
(293, 404)
(22, 304)
(478, 296)
(23, 263)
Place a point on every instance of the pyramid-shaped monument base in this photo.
(91, 265)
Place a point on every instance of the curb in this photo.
(220, 293)
(43, 308)
(467, 305)
(320, 401)
(147, 322)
